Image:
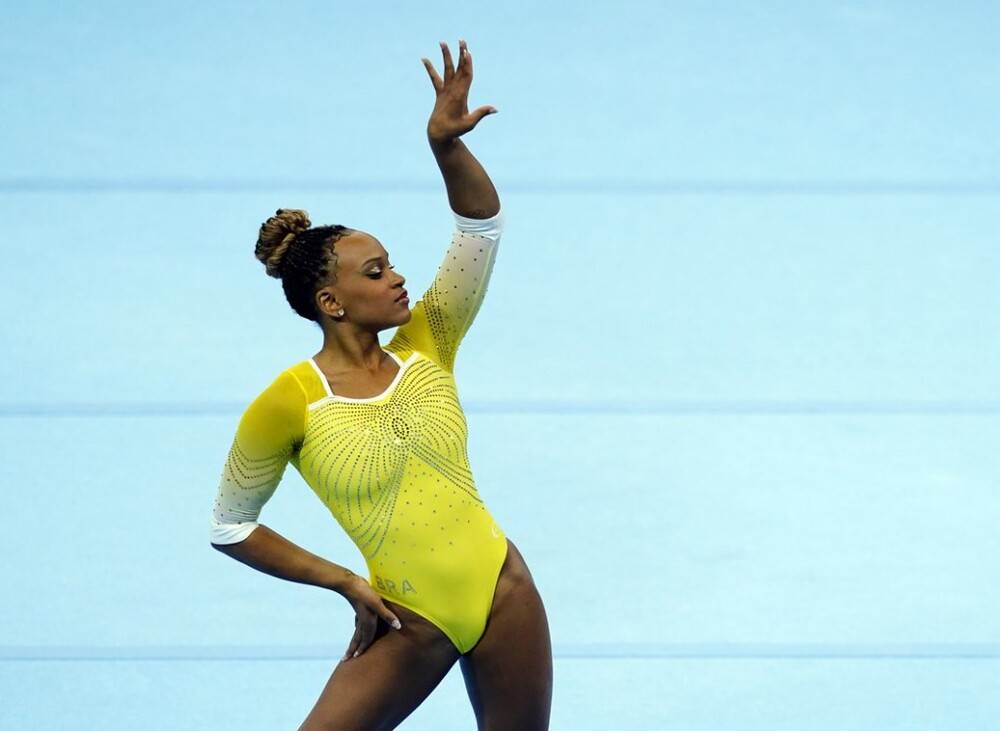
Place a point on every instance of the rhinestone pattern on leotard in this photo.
(357, 455)
(393, 470)
(454, 298)
(363, 458)
(247, 481)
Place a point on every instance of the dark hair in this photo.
(300, 256)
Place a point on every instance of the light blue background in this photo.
(734, 392)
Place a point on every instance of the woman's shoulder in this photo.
(294, 388)
(277, 416)
(305, 379)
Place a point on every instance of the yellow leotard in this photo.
(392, 469)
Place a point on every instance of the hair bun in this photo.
(276, 234)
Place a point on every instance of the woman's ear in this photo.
(326, 302)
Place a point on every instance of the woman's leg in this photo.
(509, 673)
(384, 685)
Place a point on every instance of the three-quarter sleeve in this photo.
(446, 311)
(270, 431)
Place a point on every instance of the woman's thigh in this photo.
(509, 672)
(381, 687)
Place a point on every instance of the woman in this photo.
(380, 437)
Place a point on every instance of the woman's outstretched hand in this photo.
(368, 609)
(451, 118)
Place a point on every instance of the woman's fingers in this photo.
(449, 66)
(449, 69)
(451, 117)
(368, 609)
(477, 115)
(389, 618)
(364, 635)
(355, 643)
(464, 59)
(432, 72)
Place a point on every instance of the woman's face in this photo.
(369, 291)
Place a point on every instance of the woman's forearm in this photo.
(471, 193)
(275, 555)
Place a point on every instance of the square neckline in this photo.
(330, 395)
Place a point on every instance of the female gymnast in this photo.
(379, 435)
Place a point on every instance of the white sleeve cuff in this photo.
(490, 228)
(225, 534)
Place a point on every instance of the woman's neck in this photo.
(347, 349)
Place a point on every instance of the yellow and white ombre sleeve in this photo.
(446, 311)
(266, 439)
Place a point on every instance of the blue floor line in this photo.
(611, 407)
(581, 651)
(609, 186)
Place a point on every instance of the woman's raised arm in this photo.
(470, 190)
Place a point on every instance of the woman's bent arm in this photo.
(271, 553)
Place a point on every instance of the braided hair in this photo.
(302, 257)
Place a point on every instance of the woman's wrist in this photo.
(342, 580)
(444, 147)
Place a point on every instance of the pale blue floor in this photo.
(734, 392)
